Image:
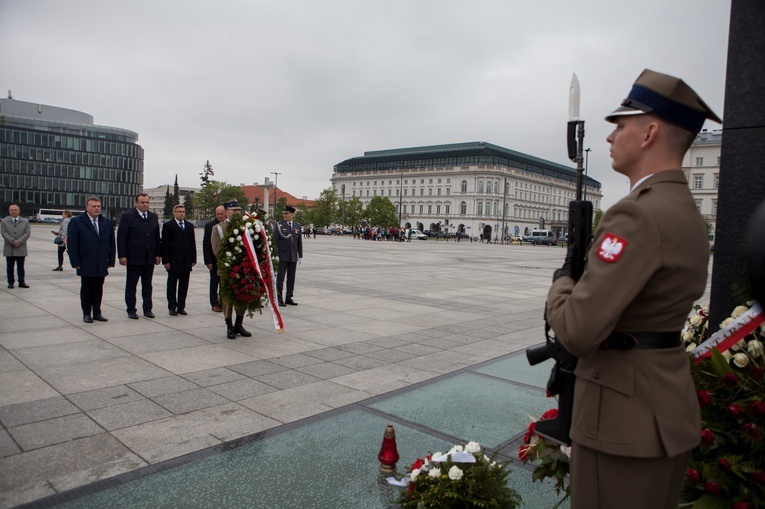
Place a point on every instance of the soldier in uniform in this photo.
(289, 246)
(636, 417)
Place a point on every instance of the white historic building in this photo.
(465, 186)
(701, 166)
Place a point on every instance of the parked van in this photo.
(542, 237)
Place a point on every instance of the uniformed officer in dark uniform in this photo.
(289, 246)
(636, 417)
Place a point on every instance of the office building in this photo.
(701, 165)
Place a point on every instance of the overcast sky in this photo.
(297, 86)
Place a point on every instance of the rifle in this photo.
(561, 381)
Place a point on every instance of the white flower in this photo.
(727, 355)
(236, 232)
(435, 473)
(696, 320)
(456, 448)
(238, 249)
(455, 474)
(688, 335)
(726, 322)
(740, 345)
(248, 225)
(414, 474)
(229, 254)
(239, 238)
(741, 360)
(257, 227)
(486, 458)
(740, 310)
(565, 450)
(691, 347)
(755, 348)
(227, 264)
(437, 454)
(473, 447)
(231, 240)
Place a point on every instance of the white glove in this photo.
(300, 260)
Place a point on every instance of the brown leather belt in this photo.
(640, 340)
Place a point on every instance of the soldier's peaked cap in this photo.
(233, 204)
(668, 98)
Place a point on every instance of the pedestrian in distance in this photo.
(211, 260)
(16, 231)
(179, 255)
(636, 417)
(92, 251)
(138, 249)
(289, 247)
(60, 239)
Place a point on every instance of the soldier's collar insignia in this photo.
(612, 248)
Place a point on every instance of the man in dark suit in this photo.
(179, 255)
(636, 416)
(211, 261)
(138, 248)
(289, 246)
(91, 247)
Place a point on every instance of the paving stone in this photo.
(359, 362)
(128, 414)
(100, 398)
(215, 376)
(86, 376)
(330, 354)
(23, 386)
(295, 361)
(241, 389)
(287, 379)
(7, 444)
(162, 386)
(188, 401)
(39, 410)
(54, 431)
(257, 368)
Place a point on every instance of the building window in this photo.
(430, 181)
(430, 209)
(698, 181)
(367, 192)
(479, 208)
(699, 161)
(698, 205)
(397, 191)
(488, 208)
(447, 209)
(405, 190)
(448, 191)
(430, 191)
(439, 181)
(422, 192)
(717, 181)
(463, 186)
(480, 187)
(718, 160)
(422, 181)
(463, 208)
(439, 191)
(714, 207)
(438, 209)
(420, 209)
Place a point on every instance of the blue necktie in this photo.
(182, 227)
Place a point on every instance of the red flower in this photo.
(705, 397)
(233, 275)
(759, 476)
(246, 270)
(529, 433)
(523, 453)
(707, 437)
(730, 380)
(693, 476)
(550, 414)
(756, 408)
(236, 268)
(734, 411)
(724, 464)
(751, 430)
(741, 505)
(713, 488)
(756, 373)
(418, 464)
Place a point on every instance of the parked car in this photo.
(322, 231)
(543, 241)
(417, 234)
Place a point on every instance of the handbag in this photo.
(58, 240)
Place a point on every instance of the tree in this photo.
(176, 192)
(188, 204)
(324, 211)
(216, 193)
(354, 212)
(207, 172)
(596, 219)
(381, 212)
(168, 211)
(279, 207)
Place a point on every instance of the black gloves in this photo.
(566, 269)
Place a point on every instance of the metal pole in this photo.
(276, 189)
(586, 163)
(400, 195)
(504, 206)
(342, 225)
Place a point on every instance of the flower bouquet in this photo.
(247, 271)
(462, 478)
(727, 469)
(553, 458)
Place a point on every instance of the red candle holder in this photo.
(388, 454)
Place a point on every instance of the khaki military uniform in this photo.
(646, 266)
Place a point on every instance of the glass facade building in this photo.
(53, 157)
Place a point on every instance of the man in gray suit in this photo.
(16, 231)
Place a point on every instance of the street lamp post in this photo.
(342, 225)
(276, 188)
(400, 195)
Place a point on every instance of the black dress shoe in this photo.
(173, 312)
(100, 318)
(58, 269)
(291, 302)
(149, 314)
(281, 303)
(182, 312)
(133, 316)
(23, 285)
(10, 285)
(87, 319)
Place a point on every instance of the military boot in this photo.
(238, 329)
(230, 331)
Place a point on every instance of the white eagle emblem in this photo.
(611, 248)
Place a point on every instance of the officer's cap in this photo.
(233, 204)
(289, 209)
(668, 98)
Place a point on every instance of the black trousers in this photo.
(91, 293)
(61, 251)
(214, 285)
(134, 273)
(288, 268)
(177, 288)
(10, 261)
